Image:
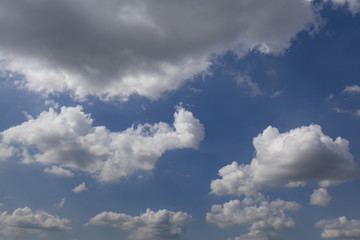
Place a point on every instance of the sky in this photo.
(193, 119)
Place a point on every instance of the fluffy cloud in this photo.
(340, 228)
(25, 218)
(68, 140)
(292, 158)
(80, 188)
(162, 224)
(118, 48)
(320, 197)
(265, 217)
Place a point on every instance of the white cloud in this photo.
(245, 81)
(162, 224)
(340, 228)
(320, 197)
(25, 218)
(292, 158)
(265, 217)
(61, 203)
(354, 89)
(68, 140)
(352, 5)
(80, 188)
(118, 48)
(59, 171)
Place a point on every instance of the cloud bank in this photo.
(162, 224)
(119, 48)
(291, 159)
(68, 141)
(25, 218)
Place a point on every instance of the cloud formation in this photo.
(265, 217)
(352, 5)
(119, 48)
(320, 197)
(25, 218)
(162, 224)
(69, 140)
(80, 188)
(354, 89)
(340, 228)
(291, 159)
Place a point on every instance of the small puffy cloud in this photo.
(291, 159)
(245, 81)
(162, 224)
(354, 89)
(80, 188)
(320, 197)
(68, 140)
(265, 217)
(61, 203)
(59, 171)
(340, 228)
(25, 218)
(136, 47)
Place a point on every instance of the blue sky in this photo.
(231, 120)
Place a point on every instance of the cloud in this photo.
(162, 224)
(352, 5)
(245, 81)
(354, 89)
(61, 203)
(25, 218)
(69, 140)
(59, 171)
(291, 159)
(320, 197)
(119, 48)
(340, 228)
(265, 217)
(80, 188)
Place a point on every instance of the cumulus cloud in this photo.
(118, 48)
(320, 197)
(354, 89)
(291, 159)
(162, 224)
(69, 140)
(80, 188)
(265, 217)
(25, 218)
(340, 228)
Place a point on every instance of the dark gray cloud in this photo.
(118, 48)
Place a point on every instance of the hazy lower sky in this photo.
(193, 119)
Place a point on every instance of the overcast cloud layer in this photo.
(118, 48)
(67, 141)
(162, 224)
(292, 158)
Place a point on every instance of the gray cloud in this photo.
(25, 218)
(162, 224)
(340, 228)
(68, 140)
(80, 188)
(292, 158)
(118, 48)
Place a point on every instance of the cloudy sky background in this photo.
(234, 120)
